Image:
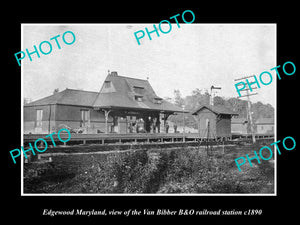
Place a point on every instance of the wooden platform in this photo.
(112, 138)
(125, 138)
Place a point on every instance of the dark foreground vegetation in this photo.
(184, 170)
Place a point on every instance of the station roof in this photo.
(67, 97)
(218, 109)
(117, 92)
(264, 121)
(126, 92)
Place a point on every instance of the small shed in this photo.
(214, 121)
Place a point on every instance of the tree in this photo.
(237, 105)
(261, 110)
(178, 100)
(26, 101)
(168, 99)
(196, 92)
(219, 100)
(200, 97)
(56, 90)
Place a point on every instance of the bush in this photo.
(150, 171)
(137, 172)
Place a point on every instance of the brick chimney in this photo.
(114, 73)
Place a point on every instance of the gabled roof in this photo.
(264, 121)
(67, 97)
(120, 93)
(239, 121)
(218, 109)
(125, 91)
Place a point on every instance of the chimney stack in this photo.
(114, 73)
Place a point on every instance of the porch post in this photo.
(166, 116)
(158, 123)
(106, 113)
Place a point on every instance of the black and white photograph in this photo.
(159, 116)
(163, 114)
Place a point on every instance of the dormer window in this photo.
(139, 90)
(138, 98)
(107, 84)
(157, 100)
(108, 87)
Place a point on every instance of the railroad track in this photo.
(90, 148)
(116, 147)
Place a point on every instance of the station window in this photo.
(139, 90)
(138, 98)
(39, 118)
(107, 84)
(157, 101)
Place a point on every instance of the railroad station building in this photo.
(123, 105)
(264, 126)
(240, 126)
(261, 126)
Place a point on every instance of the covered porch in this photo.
(130, 121)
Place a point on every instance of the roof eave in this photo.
(137, 109)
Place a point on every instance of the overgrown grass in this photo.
(187, 170)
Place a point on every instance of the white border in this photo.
(157, 195)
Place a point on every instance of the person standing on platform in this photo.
(175, 127)
(167, 127)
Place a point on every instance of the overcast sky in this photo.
(192, 56)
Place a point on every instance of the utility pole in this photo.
(249, 106)
(208, 147)
(211, 100)
(183, 130)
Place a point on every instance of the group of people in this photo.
(174, 127)
(136, 127)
